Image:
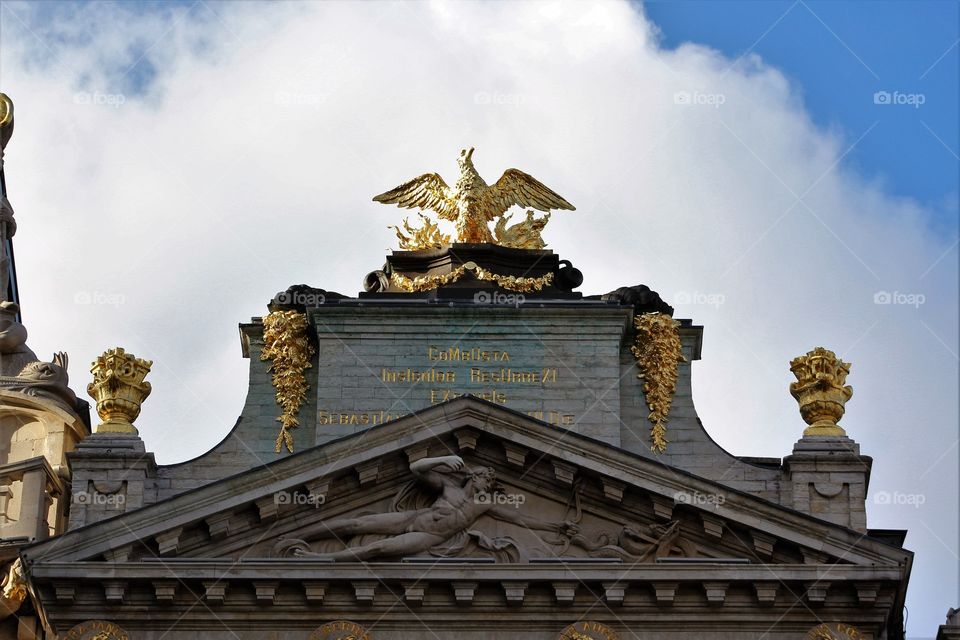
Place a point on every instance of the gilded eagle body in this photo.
(471, 204)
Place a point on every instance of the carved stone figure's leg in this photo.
(402, 545)
(381, 523)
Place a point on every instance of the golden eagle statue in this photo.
(471, 204)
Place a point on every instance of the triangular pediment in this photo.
(618, 501)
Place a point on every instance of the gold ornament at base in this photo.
(119, 389)
(588, 630)
(96, 630)
(340, 630)
(820, 391)
(659, 352)
(511, 283)
(835, 631)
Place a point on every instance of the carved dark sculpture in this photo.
(639, 543)
(641, 297)
(568, 277)
(442, 528)
(300, 297)
(376, 281)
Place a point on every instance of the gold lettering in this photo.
(548, 375)
(473, 354)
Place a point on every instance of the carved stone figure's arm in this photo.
(452, 463)
(431, 471)
(513, 516)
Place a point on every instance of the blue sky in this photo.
(839, 54)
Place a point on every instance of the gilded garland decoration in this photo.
(511, 283)
(286, 345)
(659, 352)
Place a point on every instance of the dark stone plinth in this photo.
(503, 261)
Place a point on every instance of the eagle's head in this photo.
(465, 158)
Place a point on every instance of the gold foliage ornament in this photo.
(427, 236)
(13, 589)
(659, 352)
(511, 283)
(286, 345)
(821, 391)
(119, 389)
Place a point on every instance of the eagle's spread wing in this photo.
(428, 191)
(518, 188)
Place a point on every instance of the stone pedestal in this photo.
(110, 473)
(827, 477)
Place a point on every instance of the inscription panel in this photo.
(558, 365)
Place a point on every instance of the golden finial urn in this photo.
(118, 387)
(820, 391)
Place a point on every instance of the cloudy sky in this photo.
(175, 165)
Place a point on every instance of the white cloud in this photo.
(249, 164)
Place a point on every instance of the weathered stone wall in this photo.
(567, 363)
(559, 364)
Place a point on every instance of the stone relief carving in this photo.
(442, 528)
(439, 514)
(46, 380)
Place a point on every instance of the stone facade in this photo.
(672, 542)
